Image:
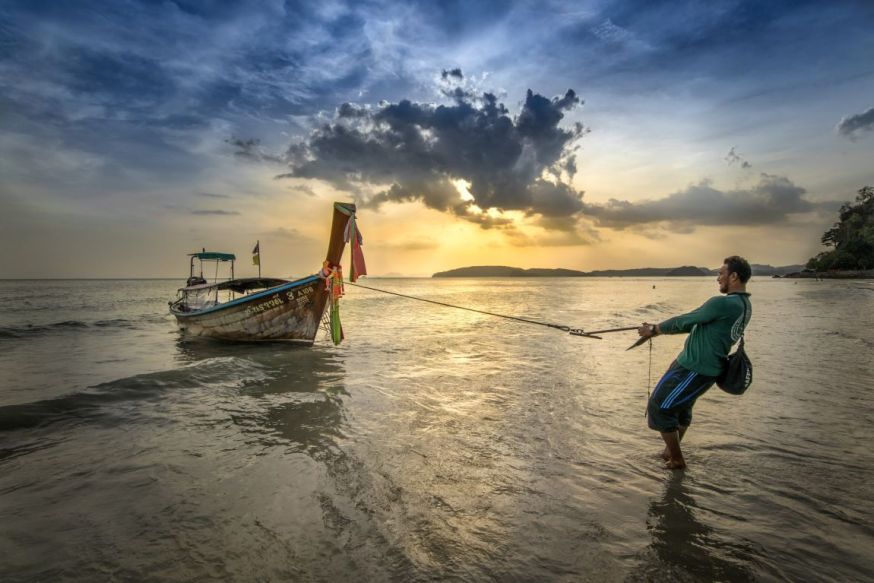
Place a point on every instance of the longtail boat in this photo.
(266, 308)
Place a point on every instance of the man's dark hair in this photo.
(740, 266)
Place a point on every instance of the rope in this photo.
(648, 379)
(568, 329)
(573, 331)
(547, 324)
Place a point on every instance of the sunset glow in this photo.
(612, 137)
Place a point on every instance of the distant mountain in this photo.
(684, 271)
(771, 270)
(543, 272)
(502, 271)
(687, 270)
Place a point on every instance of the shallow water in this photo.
(433, 443)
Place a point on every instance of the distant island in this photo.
(684, 271)
(850, 241)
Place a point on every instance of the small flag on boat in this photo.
(256, 254)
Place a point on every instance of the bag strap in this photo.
(743, 321)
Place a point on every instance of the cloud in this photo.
(212, 195)
(616, 37)
(410, 245)
(734, 158)
(769, 202)
(409, 151)
(564, 238)
(305, 189)
(852, 126)
(213, 212)
(452, 73)
(251, 150)
(289, 234)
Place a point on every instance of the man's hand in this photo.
(648, 330)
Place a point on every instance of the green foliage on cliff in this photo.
(851, 238)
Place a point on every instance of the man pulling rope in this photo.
(713, 329)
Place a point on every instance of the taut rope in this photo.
(568, 329)
(648, 379)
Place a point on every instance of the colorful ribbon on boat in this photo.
(333, 276)
(352, 235)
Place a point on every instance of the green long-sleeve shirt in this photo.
(714, 327)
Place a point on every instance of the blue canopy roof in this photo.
(211, 255)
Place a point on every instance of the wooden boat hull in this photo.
(291, 311)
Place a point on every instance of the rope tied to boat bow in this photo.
(333, 277)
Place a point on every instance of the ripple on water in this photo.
(432, 444)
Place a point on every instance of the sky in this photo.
(578, 135)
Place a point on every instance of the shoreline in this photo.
(842, 274)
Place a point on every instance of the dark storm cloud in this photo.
(769, 202)
(351, 110)
(453, 85)
(143, 90)
(414, 151)
(853, 126)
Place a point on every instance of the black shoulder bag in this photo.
(737, 374)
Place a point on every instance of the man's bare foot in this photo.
(666, 455)
(675, 464)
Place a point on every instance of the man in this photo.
(713, 329)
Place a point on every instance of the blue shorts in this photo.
(670, 405)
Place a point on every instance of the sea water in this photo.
(434, 443)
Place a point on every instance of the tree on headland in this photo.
(851, 238)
